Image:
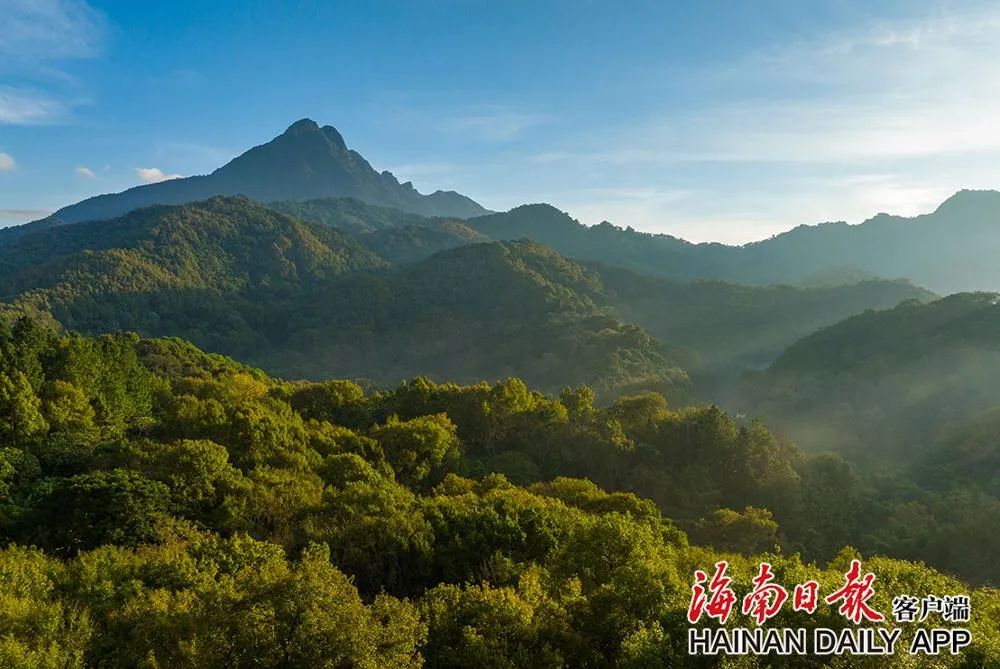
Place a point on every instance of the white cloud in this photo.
(7, 162)
(152, 175)
(915, 89)
(86, 171)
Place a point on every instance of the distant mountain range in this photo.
(952, 249)
(304, 162)
(309, 172)
(955, 248)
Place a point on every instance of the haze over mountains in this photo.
(335, 269)
(951, 249)
(887, 383)
(292, 411)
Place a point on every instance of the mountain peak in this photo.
(308, 128)
(305, 162)
(302, 126)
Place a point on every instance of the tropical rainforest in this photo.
(338, 423)
(166, 508)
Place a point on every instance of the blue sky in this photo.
(723, 121)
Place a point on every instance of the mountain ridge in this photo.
(951, 249)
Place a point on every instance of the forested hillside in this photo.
(394, 235)
(189, 511)
(950, 249)
(349, 214)
(404, 245)
(655, 255)
(480, 311)
(309, 172)
(307, 300)
(310, 301)
(707, 375)
(219, 272)
(720, 326)
(910, 390)
(227, 244)
(884, 383)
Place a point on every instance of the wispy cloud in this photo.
(36, 36)
(492, 123)
(7, 162)
(23, 106)
(86, 172)
(37, 31)
(152, 175)
(911, 88)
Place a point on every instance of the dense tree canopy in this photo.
(163, 507)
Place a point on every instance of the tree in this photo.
(750, 532)
(38, 629)
(339, 402)
(69, 412)
(105, 507)
(420, 450)
(494, 628)
(251, 607)
(21, 419)
(375, 530)
(18, 470)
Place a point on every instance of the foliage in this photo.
(227, 519)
